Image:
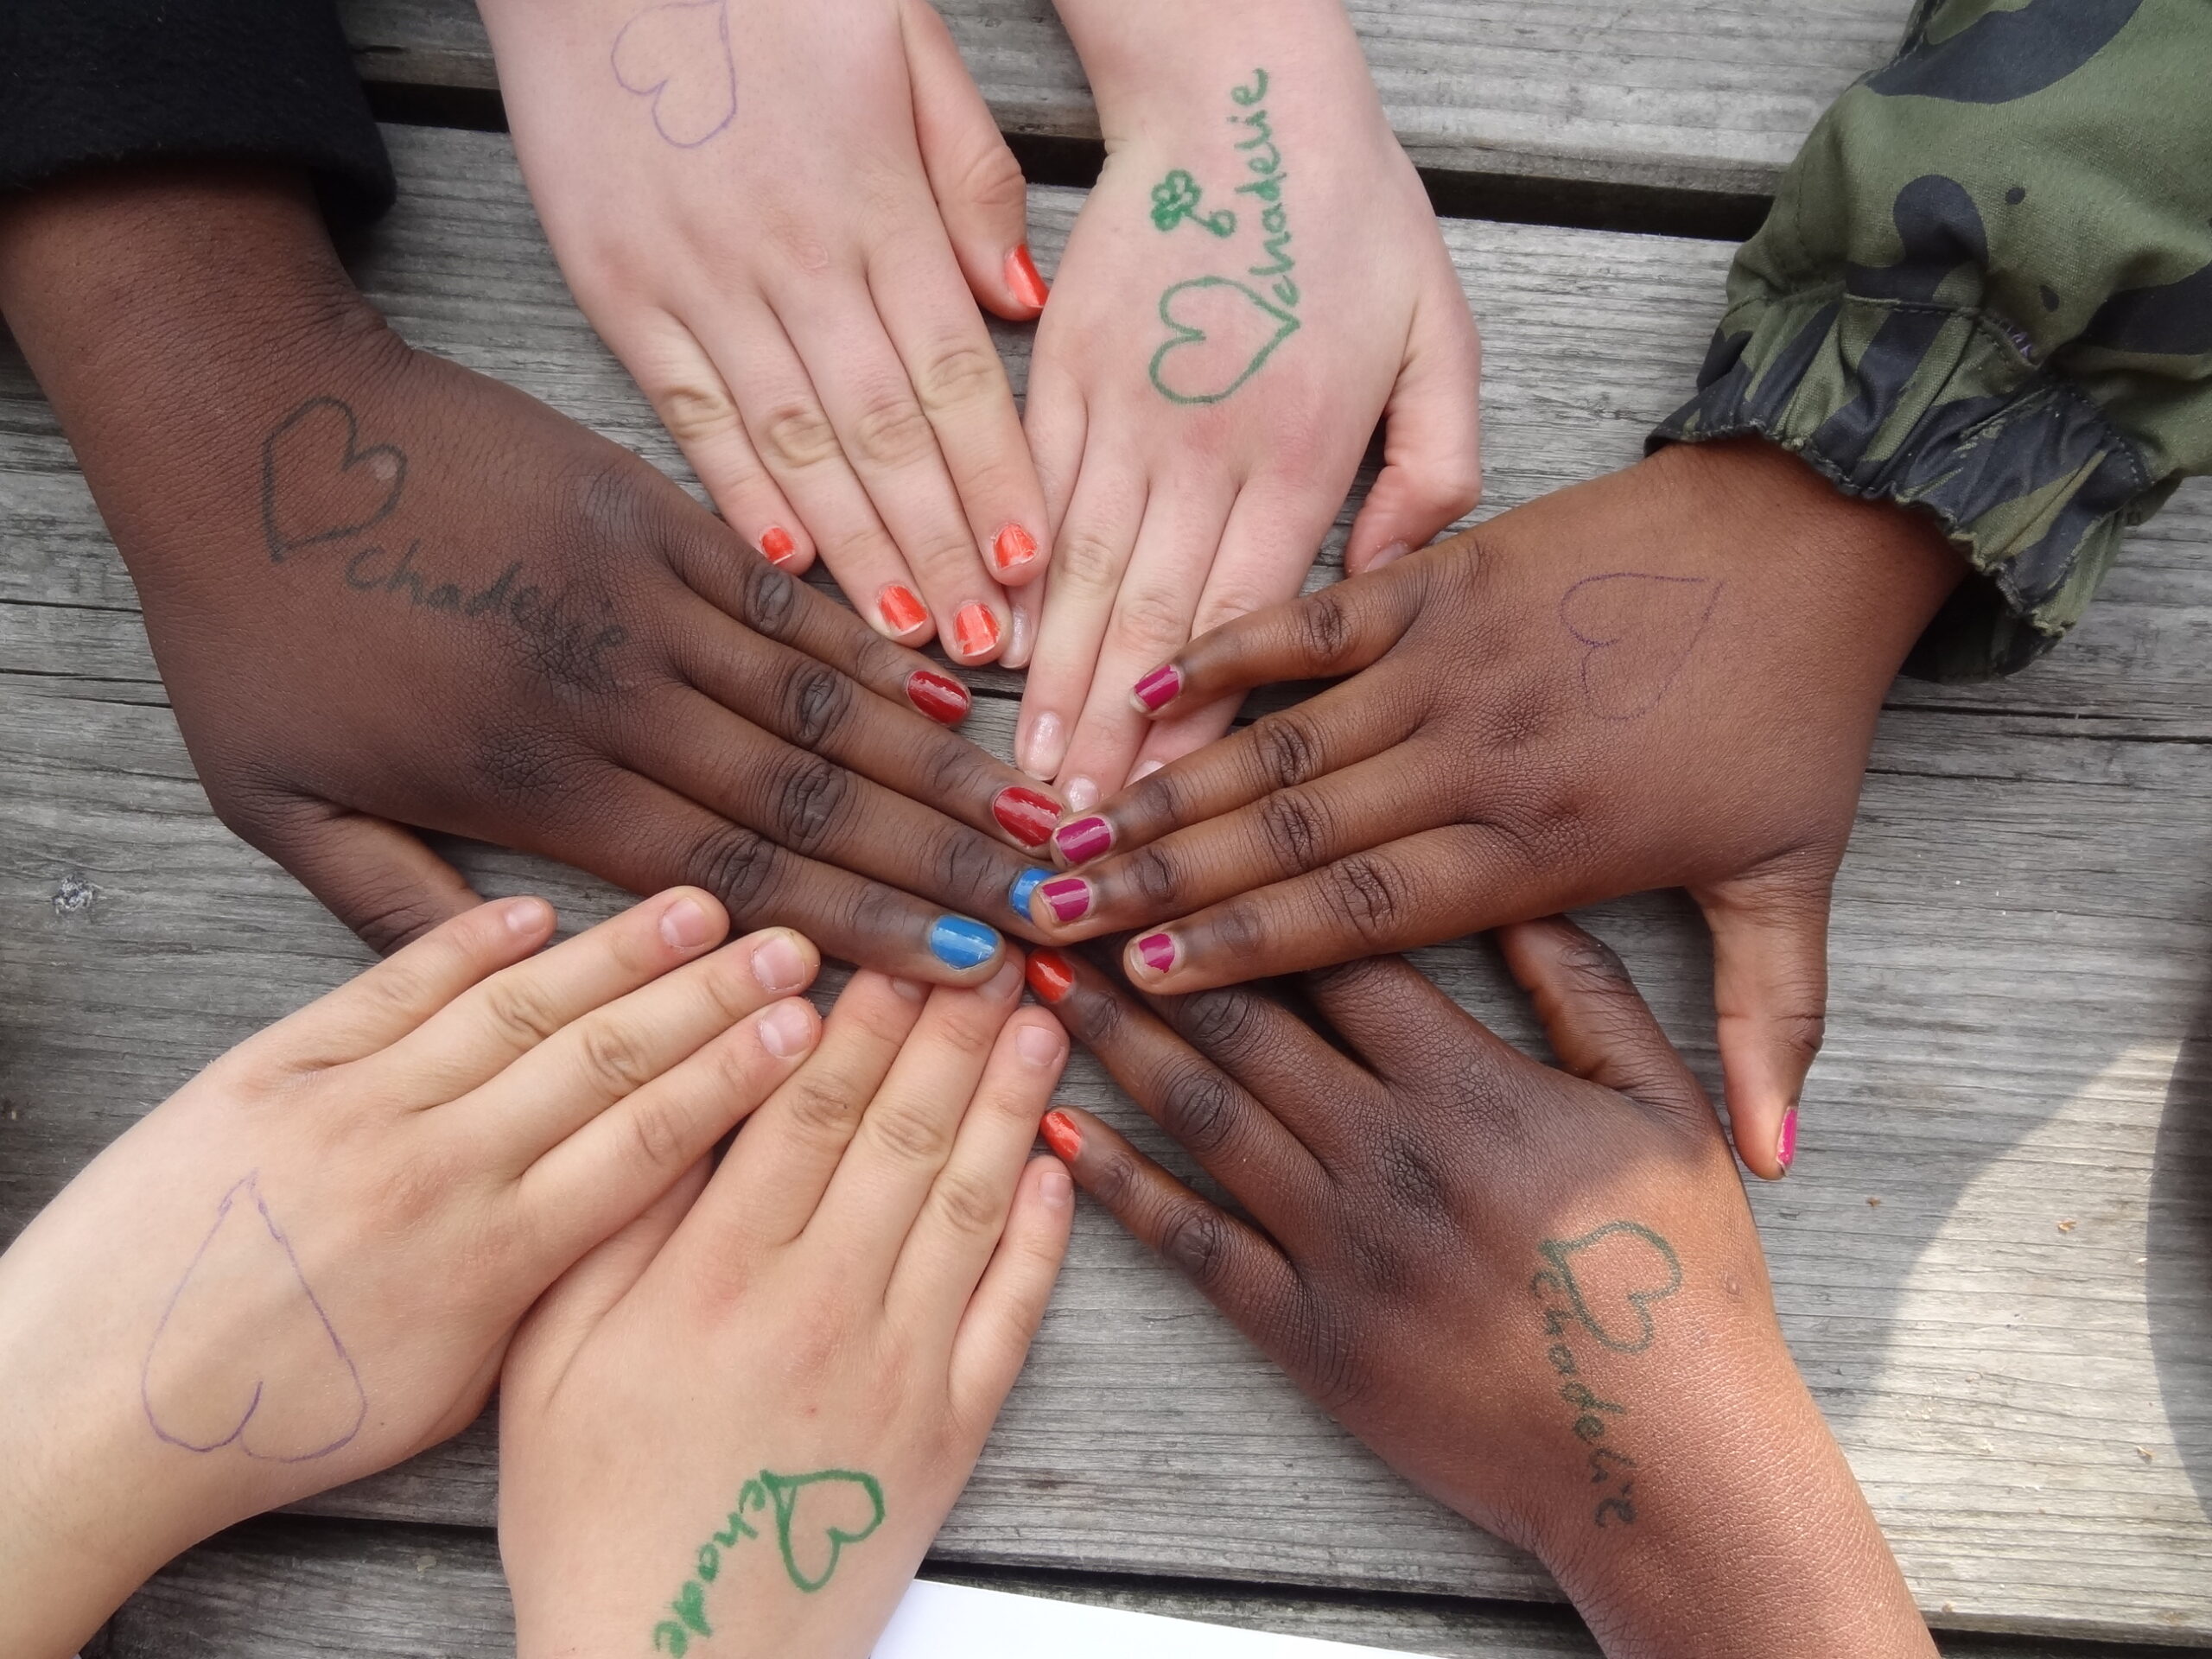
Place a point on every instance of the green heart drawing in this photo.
(1617, 1271)
(787, 1490)
(1203, 362)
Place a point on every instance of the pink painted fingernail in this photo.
(1069, 897)
(1083, 839)
(1785, 1151)
(1158, 689)
(1157, 952)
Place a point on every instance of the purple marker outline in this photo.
(250, 1184)
(1590, 696)
(654, 92)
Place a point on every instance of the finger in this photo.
(479, 1034)
(1432, 447)
(612, 1052)
(965, 1214)
(1294, 830)
(979, 192)
(1770, 989)
(375, 1009)
(907, 1133)
(1089, 556)
(1001, 1318)
(1404, 1027)
(1056, 419)
(620, 1160)
(1235, 1137)
(773, 1180)
(378, 879)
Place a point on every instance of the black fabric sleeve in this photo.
(84, 83)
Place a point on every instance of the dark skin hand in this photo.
(1667, 676)
(386, 592)
(1538, 1294)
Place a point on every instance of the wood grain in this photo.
(2022, 968)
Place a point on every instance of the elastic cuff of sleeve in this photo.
(1943, 409)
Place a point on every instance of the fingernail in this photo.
(974, 629)
(1012, 548)
(1145, 770)
(684, 923)
(1069, 898)
(1029, 817)
(787, 1029)
(901, 611)
(1024, 885)
(1016, 654)
(913, 989)
(1785, 1151)
(1056, 1189)
(940, 697)
(1081, 794)
(1083, 839)
(778, 964)
(1062, 1135)
(1051, 975)
(1040, 1045)
(1044, 744)
(1389, 555)
(776, 545)
(528, 916)
(1158, 689)
(1022, 276)
(958, 943)
(1157, 951)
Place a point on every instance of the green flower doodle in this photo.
(1175, 199)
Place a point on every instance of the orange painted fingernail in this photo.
(974, 629)
(1062, 1136)
(777, 545)
(1012, 548)
(1022, 276)
(1051, 975)
(902, 613)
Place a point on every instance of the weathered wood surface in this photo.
(2022, 1031)
(1712, 97)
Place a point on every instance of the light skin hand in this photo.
(1256, 281)
(306, 1265)
(1668, 677)
(1538, 1294)
(736, 1426)
(782, 215)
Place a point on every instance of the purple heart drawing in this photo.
(1638, 631)
(677, 55)
(289, 1394)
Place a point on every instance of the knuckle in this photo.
(969, 1205)
(1594, 965)
(1296, 829)
(990, 179)
(911, 1135)
(1199, 1108)
(1238, 929)
(1285, 750)
(1196, 1239)
(1150, 871)
(1114, 1179)
(1219, 1022)
(959, 375)
(1324, 627)
(819, 1109)
(815, 700)
(1370, 897)
(769, 600)
(694, 413)
(1150, 623)
(1096, 1017)
(812, 797)
(966, 863)
(1088, 562)
(736, 866)
(891, 431)
(799, 436)
(516, 1010)
(657, 1141)
(615, 1059)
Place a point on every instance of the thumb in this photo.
(981, 194)
(374, 876)
(1432, 442)
(1770, 989)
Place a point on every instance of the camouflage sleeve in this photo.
(1985, 291)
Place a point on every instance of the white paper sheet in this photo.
(948, 1621)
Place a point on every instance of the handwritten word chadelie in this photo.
(811, 1544)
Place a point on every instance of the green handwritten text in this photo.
(810, 1546)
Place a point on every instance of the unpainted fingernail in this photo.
(779, 964)
(959, 942)
(685, 924)
(1019, 628)
(1083, 839)
(1051, 975)
(1081, 794)
(787, 1029)
(1044, 744)
(1025, 280)
(1785, 1149)
(1158, 689)
(1061, 1136)
(1157, 953)
(777, 545)
(913, 989)
(1040, 1045)
(1056, 1189)
(527, 916)
(1146, 770)
(1389, 555)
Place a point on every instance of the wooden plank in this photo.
(299, 1590)
(2021, 969)
(1713, 96)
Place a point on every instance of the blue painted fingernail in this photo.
(1025, 884)
(958, 943)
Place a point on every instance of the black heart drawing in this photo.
(1639, 631)
(318, 484)
(678, 55)
(1612, 1276)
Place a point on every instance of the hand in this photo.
(305, 1265)
(1537, 1295)
(1665, 678)
(781, 215)
(747, 1415)
(1253, 193)
(385, 591)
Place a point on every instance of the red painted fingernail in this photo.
(1051, 975)
(1022, 276)
(1026, 815)
(1069, 897)
(902, 613)
(1785, 1151)
(1012, 548)
(776, 545)
(976, 630)
(1158, 689)
(1157, 951)
(1062, 1136)
(1083, 839)
(940, 697)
